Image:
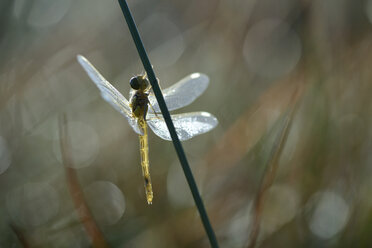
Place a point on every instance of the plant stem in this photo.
(164, 110)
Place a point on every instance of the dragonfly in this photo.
(140, 116)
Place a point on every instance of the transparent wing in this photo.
(187, 125)
(109, 93)
(183, 92)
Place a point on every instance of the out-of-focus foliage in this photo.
(264, 58)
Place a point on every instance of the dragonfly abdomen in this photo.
(144, 150)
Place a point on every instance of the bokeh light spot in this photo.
(271, 48)
(330, 214)
(32, 204)
(281, 206)
(177, 188)
(43, 13)
(83, 142)
(106, 201)
(5, 156)
(369, 10)
(166, 38)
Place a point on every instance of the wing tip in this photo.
(198, 75)
(215, 123)
(81, 59)
(212, 117)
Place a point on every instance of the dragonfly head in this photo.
(139, 82)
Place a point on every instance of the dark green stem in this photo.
(164, 110)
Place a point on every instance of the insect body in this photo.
(139, 105)
(139, 116)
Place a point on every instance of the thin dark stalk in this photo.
(164, 110)
(77, 195)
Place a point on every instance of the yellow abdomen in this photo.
(144, 149)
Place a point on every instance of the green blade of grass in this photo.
(164, 110)
(271, 169)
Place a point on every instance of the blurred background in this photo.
(289, 164)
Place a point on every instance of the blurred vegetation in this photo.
(289, 164)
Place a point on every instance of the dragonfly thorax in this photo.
(139, 104)
(139, 101)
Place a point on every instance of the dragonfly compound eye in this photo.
(134, 83)
(145, 83)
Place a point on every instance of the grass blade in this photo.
(77, 195)
(270, 171)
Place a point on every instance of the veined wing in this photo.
(109, 93)
(187, 125)
(183, 92)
